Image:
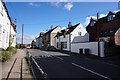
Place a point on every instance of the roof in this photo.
(105, 19)
(109, 32)
(6, 11)
(50, 30)
(67, 30)
(14, 27)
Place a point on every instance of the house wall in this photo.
(52, 38)
(13, 35)
(53, 34)
(117, 37)
(66, 39)
(40, 42)
(84, 38)
(77, 30)
(92, 30)
(72, 37)
(93, 46)
(5, 27)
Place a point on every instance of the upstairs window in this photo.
(111, 17)
(80, 33)
(92, 23)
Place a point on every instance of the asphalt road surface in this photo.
(64, 66)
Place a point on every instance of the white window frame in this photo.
(111, 17)
(92, 23)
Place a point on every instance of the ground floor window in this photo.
(0, 32)
(64, 45)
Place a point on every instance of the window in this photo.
(64, 35)
(0, 32)
(105, 39)
(80, 33)
(57, 44)
(64, 45)
(92, 23)
(111, 17)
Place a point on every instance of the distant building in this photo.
(39, 41)
(48, 37)
(107, 28)
(7, 28)
(33, 44)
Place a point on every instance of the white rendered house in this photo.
(6, 28)
(66, 36)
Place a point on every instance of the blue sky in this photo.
(39, 16)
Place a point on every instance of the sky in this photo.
(39, 16)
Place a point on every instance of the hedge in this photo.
(6, 54)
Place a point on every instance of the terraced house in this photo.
(48, 37)
(106, 29)
(65, 37)
(7, 28)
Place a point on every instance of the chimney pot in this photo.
(69, 25)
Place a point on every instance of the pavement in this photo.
(58, 65)
(15, 73)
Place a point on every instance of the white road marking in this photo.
(45, 52)
(59, 58)
(91, 71)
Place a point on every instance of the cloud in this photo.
(27, 38)
(102, 15)
(57, 4)
(68, 6)
(33, 4)
(87, 21)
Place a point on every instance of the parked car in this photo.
(50, 48)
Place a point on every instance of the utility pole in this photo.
(98, 35)
(22, 35)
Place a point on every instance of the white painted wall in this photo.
(84, 38)
(69, 38)
(93, 46)
(5, 28)
(37, 42)
(13, 35)
(40, 42)
(66, 39)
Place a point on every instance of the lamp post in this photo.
(98, 35)
(22, 35)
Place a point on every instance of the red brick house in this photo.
(107, 28)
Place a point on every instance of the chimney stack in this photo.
(51, 27)
(69, 25)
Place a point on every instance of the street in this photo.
(58, 65)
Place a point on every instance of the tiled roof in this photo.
(105, 19)
(50, 30)
(67, 30)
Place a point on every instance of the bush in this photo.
(12, 49)
(6, 54)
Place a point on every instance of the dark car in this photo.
(50, 48)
